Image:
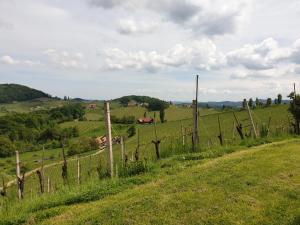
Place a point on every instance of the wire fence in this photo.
(80, 169)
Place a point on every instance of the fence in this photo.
(132, 160)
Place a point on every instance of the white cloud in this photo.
(200, 55)
(200, 16)
(65, 59)
(262, 56)
(130, 26)
(8, 60)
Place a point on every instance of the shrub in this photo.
(131, 131)
(7, 148)
(123, 120)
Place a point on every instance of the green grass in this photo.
(168, 132)
(257, 186)
(260, 185)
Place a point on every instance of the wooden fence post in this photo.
(233, 130)
(195, 119)
(137, 151)
(109, 138)
(220, 132)
(122, 150)
(3, 190)
(156, 142)
(48, 185)
(239, 127)
(18, 174)
(251, 119)
(64, 167)
(78, 171)
(182, 134)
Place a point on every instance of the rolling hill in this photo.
(15, 92)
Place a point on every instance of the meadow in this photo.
(169, 133)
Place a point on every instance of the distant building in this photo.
(132, 103)
(101, 141)
(145, 120)
(92, 106)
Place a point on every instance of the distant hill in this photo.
(139, 99)
(15, 92)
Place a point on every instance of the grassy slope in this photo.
(208, 129)
(257, 186)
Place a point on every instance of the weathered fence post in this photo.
(137, 151)
(64, 167)
(233, 130)
(40, 173)
(3, 190)
(195, 137)
(182, 134)
(18, 174)
(78, 171)
(122, 149)
(251, 119)
(220, 132)
(156, 142)
(109, 138)
(48, 185)
(239, 127)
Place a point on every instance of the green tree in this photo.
(250, 103)
(295, 110)
(7, 148)
(162, 115)
(244, 103)
(279, 99)
(131, 131)
(269, 102)
(257, 103)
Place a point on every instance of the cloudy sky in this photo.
(102, 49)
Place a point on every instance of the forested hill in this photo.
(139, 99)
(16, 92)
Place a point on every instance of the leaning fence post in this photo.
(220, 132)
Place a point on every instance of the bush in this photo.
(123, 120)
(134, 168)
(7, 148)
(131, 131)
(84, 144)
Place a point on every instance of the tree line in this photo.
(27, 131)
(259, 103)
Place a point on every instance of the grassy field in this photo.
(259, 185)
(168, 132)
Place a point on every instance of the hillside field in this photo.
(258, 185)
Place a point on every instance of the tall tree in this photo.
(244, 103)
(162, 115)
(279, 99)
(295, 110)
(257, 102)
(269, 102)
(250, 103)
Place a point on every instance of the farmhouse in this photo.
(92, 106)
(145, 120)
(132, 103)
(101, 141)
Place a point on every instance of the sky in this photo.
(103, 49)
